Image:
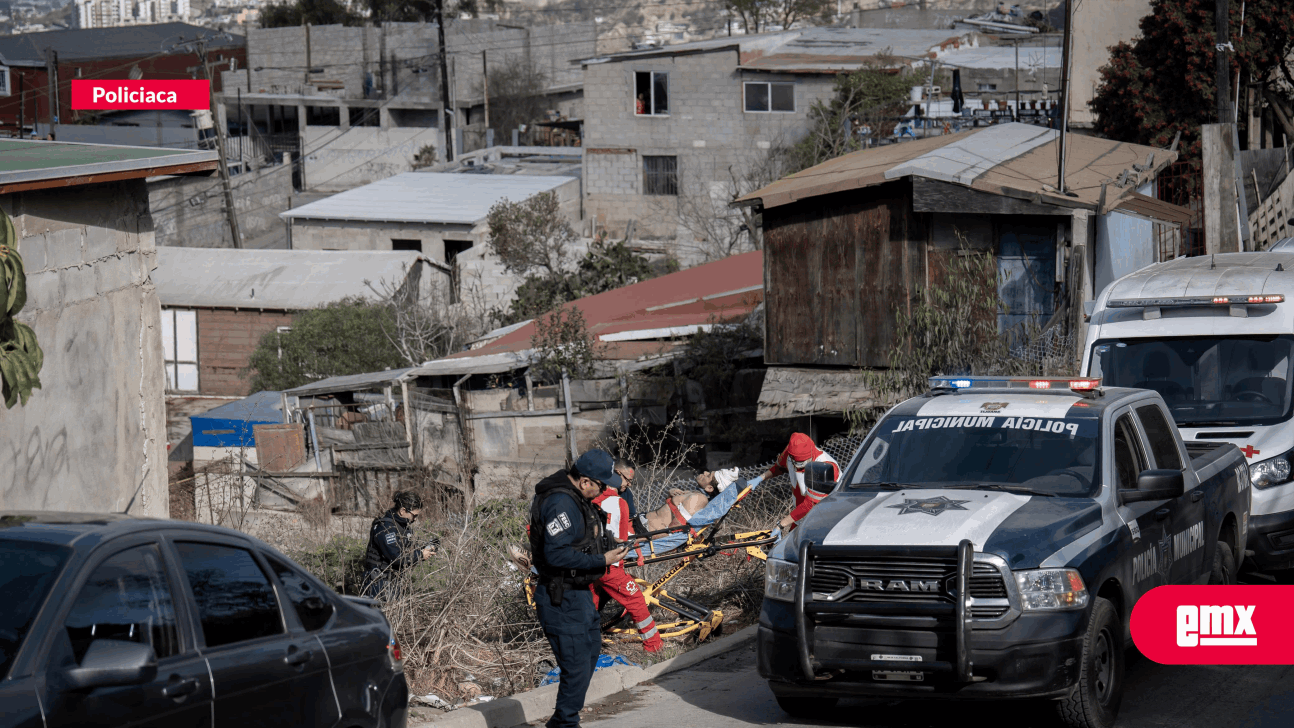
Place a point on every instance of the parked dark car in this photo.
(114, 621)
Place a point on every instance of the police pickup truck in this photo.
(989, 540)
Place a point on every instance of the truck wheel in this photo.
(805, 707)
(1224, 565)
(1094, 703)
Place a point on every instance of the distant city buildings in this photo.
(116, 13)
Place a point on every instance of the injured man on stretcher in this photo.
(720, 491)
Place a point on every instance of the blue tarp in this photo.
(230, 425)
(604, 661)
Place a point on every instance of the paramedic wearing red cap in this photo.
(616, 582)
(800, 452)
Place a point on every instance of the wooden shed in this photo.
(848, 241)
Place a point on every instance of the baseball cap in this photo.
(600, 466)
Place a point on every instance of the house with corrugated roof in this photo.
(439, 214)
(849, 240)
(684, 120)
(92, 437)
(218, 303)
(478, 417)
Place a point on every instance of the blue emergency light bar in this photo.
(1083, 385)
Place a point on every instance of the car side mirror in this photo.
(110, 663)
(1155, 485)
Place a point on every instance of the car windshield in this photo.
(1047, 456)
(27, 570)
(1205, 381)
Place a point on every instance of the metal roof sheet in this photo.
(27, 161)
(966, 159)
(1032, 58)
(93, 43)
(349, 383)
(817, 50)
(281, 280)
(1012, 159)
(663, 307)
(427, 197)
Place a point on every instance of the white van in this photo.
(1214, 335)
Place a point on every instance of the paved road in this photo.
(725, 692)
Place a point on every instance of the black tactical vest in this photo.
(593, 541)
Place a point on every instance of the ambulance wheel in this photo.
(805, 707)
(1224, 565)
(1094, 702)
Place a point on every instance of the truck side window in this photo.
(1129, 460)
(1162, 443)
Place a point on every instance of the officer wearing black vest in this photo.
(571, 549)
(391, 548)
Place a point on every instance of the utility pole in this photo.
(445, 112)
(200, 46)
(1221, 20)
(485, 87)
(1064, 95)
(1017, 77)
(51, 95)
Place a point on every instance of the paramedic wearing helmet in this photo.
(799, 453)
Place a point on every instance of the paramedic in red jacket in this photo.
(800, 452)
(616, 582)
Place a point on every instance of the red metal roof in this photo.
(719, 292)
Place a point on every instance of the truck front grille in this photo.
(917, 579)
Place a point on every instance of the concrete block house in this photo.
(668, 121)
(92, 438)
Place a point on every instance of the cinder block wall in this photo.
(707, 129)
(189, 212)
(95, 431)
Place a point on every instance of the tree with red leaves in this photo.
(1165, 82)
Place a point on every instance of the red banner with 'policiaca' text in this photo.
(124, 94)
(1216, 625)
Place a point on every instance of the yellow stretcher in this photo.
(689, 617)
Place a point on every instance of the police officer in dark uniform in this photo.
(390, 546)
(571, 549)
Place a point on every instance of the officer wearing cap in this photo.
(571, 549)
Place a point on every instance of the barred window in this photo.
(660, 175)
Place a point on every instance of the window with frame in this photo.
(651, 93)
(235, 599)
(660, 175)
(1129, 459)
(1163, 445)
(180, 349)
(128, 598)
(766, 96)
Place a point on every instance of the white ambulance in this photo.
(1214, 335)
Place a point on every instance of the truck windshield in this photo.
(1215, 380)
(1052, 456)
(27, 570)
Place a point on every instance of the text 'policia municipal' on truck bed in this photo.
(1214, 335)
(990, 539)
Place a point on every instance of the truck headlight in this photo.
(1051, 589)
(1269, 472)
(779, 580)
